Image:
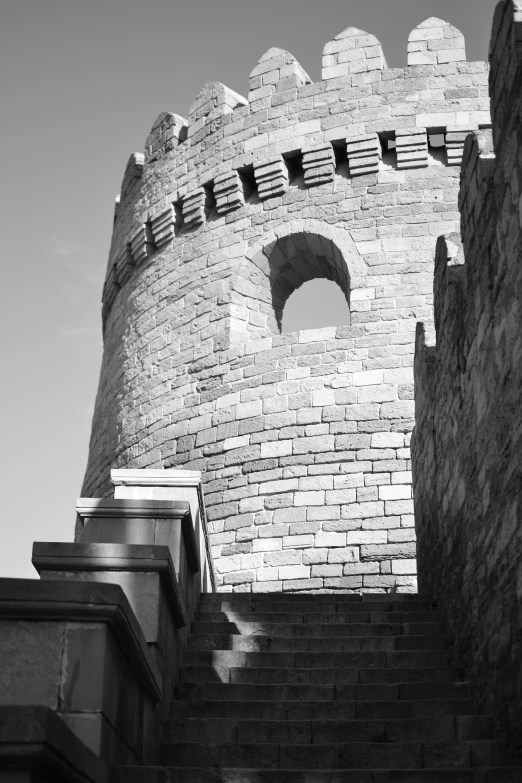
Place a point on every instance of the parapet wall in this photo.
(303, 438)
(467, 441)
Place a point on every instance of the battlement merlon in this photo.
(475, 195)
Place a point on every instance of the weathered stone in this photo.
(467, 439)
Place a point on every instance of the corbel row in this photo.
(227, 192)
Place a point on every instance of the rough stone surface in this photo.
(301, 436)
(467, 442)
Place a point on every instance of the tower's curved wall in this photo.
(303, 438)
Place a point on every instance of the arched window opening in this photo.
(314, 305)
(299, 258)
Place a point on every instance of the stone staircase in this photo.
(315, 688)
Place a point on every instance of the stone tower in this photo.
(303, 438)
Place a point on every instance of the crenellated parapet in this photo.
(467, 440)
(232, 149)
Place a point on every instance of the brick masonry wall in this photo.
(303, 438)
(467, 441)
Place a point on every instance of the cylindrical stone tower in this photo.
(303, 438)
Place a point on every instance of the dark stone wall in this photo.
(467, 442)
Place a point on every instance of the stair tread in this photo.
(344, 691)
(229, 615)
(282, 674)
(313, 630)
(311, 659)
(321, 731)
(263, 775)
(329, 710)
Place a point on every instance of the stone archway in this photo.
(298, 258)
(297, 253)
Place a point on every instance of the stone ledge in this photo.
(28, 599)
(144, 509)
(129, 508)
(36, 739)
(57, 556)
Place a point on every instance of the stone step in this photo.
(315, 597)
(322, 709)
(408, 691)
(214, 730)
(312, 630)
(340, 607)
(399, 659)
(259, 643)
(315, 618)
(304, 676)
(228, 775)
(345, 755)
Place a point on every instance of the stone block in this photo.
(267, 545)
(298, 542)
(294, 572)
(395, 492)
(36, 744)
(20, 648)
(309, 498)
(323, 539)
(383, 440)
(281, 448)
(343, 555)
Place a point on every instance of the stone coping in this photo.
(36, 738)
(84, 602)
(59, 556)
(130, 508)
(153, 477)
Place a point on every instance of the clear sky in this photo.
(81, 84)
